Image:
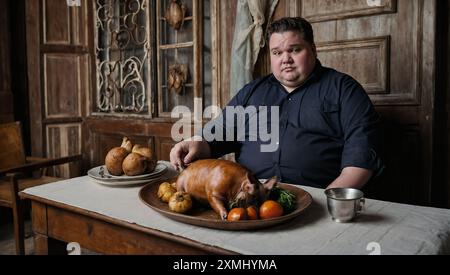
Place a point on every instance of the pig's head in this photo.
(253, 192)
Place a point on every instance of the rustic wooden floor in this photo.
(7, 245)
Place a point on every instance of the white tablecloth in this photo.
(391, 228)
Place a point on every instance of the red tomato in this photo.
(237, 214)
(270, 209)
(252, 212)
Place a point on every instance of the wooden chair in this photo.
(16, 175)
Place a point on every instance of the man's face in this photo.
(292, 59)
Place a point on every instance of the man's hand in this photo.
(352, 177)
(188, 151)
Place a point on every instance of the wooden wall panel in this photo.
(79, 20)
(227, 23)
(6, 99)
(405, 180)
(163, 147)
(33, 41)
(64, 25)
(63, 90)
(6, 107)
(406, 48)
(56, 22)
(59, 74)
(366, 60)
(5, 39)
(324, 10)
(64, 140)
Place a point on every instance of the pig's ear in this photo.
(270, 183)
(248, 187)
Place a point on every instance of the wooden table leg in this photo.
(19, 226)
(43, 245)
(40, 244)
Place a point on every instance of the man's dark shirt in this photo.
(327, 124)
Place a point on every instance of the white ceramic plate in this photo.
(100, 173)
(126, 183)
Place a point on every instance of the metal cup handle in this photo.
(362, 202)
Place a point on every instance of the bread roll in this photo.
(114, 159)
(134, 164)
(126, 143)
(143, 151)
(146, 152)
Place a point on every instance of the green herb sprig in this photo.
(284, 197)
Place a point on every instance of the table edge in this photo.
(140, 228)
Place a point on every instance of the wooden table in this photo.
(114, 221)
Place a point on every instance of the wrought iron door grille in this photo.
(123, 56)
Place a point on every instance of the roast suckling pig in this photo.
(219, 182)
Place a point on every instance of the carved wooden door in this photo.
(58, 73)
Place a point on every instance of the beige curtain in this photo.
(248, 39)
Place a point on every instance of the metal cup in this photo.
(344, 203)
